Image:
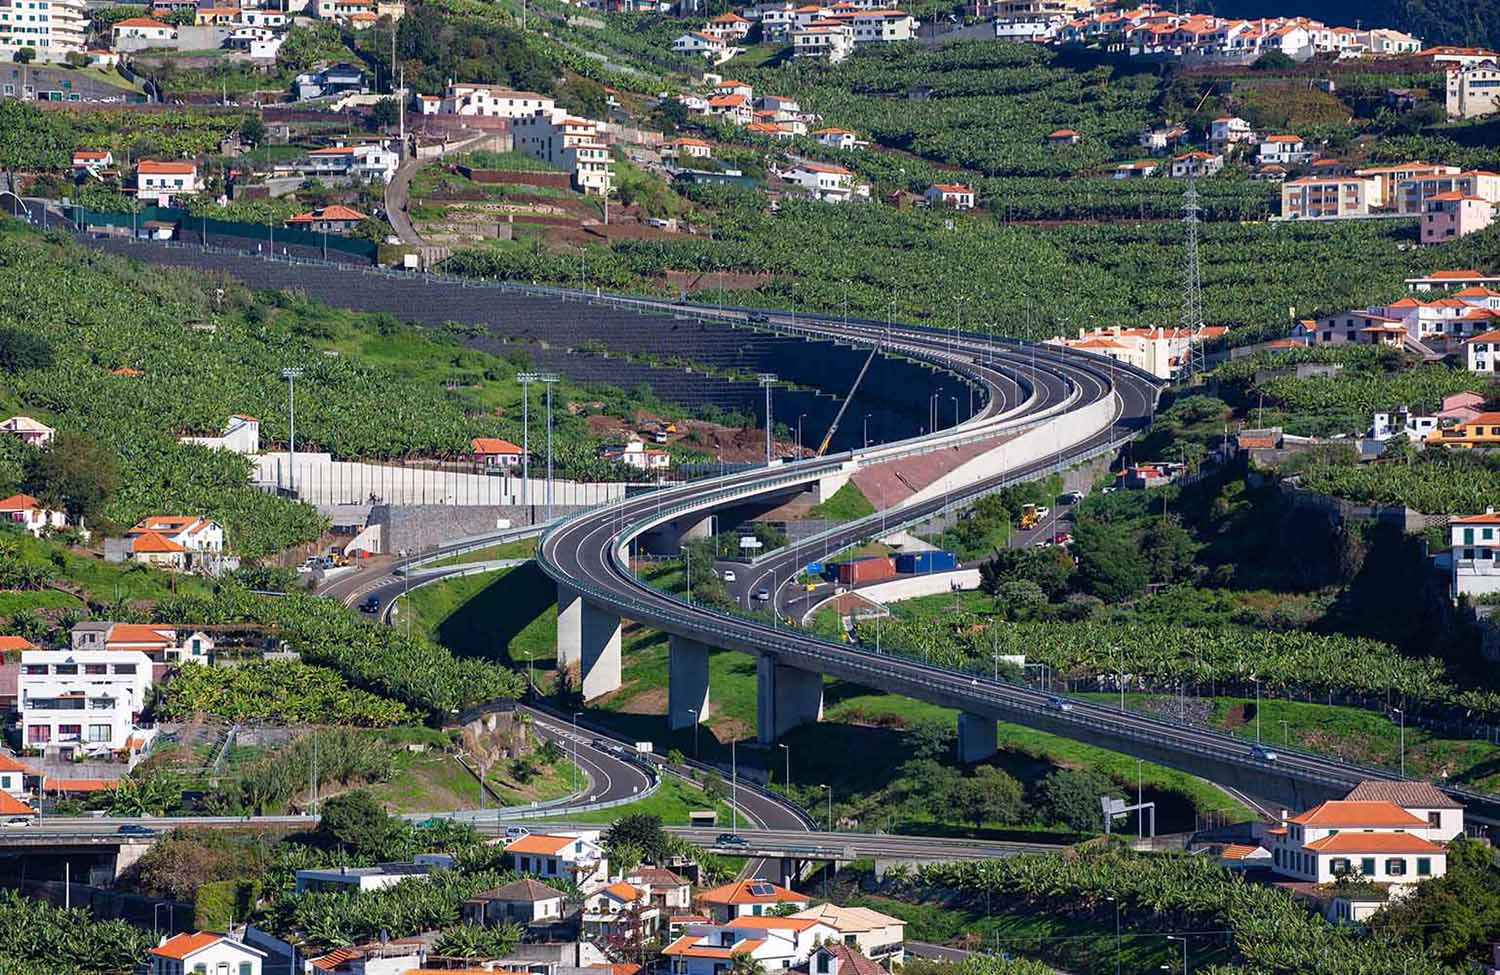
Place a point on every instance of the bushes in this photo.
(277, 691)
(219, 904)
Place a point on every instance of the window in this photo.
(67, 670)
(1367, 866)
(1395, 867)
(96, 668)
(1435, 819)
(1339, 867)
(34, 670)
(822, 963)
(1424, 866)
(98, 732)
(124, 668)
(246, 968)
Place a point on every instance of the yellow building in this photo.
(1482, 431)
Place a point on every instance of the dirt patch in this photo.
(653, 701)
(731, 729)
(1239, 715)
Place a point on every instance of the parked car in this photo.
(731, 839)
(370, 605)
(1263, 753)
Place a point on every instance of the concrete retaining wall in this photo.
(322, 481)
(417, 526)
(560, 181)
(1027, 448)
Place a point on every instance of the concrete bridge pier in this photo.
(588, 637)
(687, 682)
(976, 737)
(786, 697)
(667, 538)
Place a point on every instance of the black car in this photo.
(731, 839)
(135, 829)
(370, 605)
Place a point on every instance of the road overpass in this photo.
(587, 555)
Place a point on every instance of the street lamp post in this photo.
(867, 429)
(1402, 713)
(548, 379)
(767, 379)
(1183, 939)
(829, 789)
(800, 418)
(1116, 902)
(694, 713)
(1257, 708)
(575, 749)
(788, 751)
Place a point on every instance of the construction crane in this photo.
(843, 408)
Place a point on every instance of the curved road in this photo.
(588, 553)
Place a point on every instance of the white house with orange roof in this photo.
(133, 33)
(486, 101)
(777, 943)
(832, 138)
(571, 144)
(732, 107)
(194, 533)
(1196, 165)
(17, 779)
(241, 436)
(1448, 280)
(729, 26)
(92, 160)
(495, 453)
(1372, 839)
(162, 644)
(1284, 149)
(690, 147)
(950, 195)
(206, 952)
(636, 454)
(748, 898)
(1135, 169)
(1229, 130)
(1482, 352)
(704, 45)
(345, 163)
(1160, 351)
(1474, 540)
(574, 858)
(822, 181)
(31, 515)
(161, 180)
(877, 936)
(620, 911)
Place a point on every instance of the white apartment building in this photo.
(829, 39)
(1482, 352)
(82, 702)
(1325, 196)
(1473, 90)
(1399, 187)
(571, 144)
(52, 28)
(879, 26)
(486, 101)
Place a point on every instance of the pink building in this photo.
(1449, 216)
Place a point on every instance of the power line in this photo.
(1192, 283)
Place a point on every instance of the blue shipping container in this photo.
(918, 563)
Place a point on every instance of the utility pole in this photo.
(767, 379)
(401, 110)
(1192, 283)
(290, 374)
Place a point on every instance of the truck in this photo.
(874, 568)
(919, 563)
(1029, 516)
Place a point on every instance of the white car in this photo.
(1042, 511)
(728, 575)
(19, 821)
(762, 595)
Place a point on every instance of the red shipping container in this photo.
(862, 571)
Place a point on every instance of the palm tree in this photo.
(743, 963)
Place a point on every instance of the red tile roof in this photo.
(1407, 795)
(739, 893)
(1343, 814)
(183, 945)
(158, 167)
(494, 445)
(11, 806)
(19, 502)
(151, 543)
(1353, 842)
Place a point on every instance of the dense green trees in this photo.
(32, 932)
(355, 821)
(1071, 796)
(278, 690)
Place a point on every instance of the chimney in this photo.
(1282, 818)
